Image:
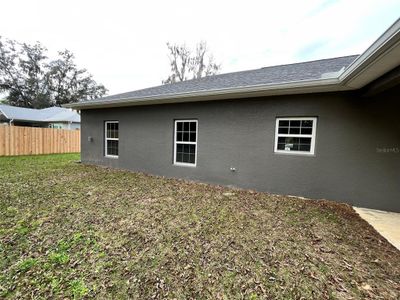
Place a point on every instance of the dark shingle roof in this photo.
(305, 71)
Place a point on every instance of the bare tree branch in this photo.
(187, 65)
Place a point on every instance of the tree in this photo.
(30, 79)
(188, 65)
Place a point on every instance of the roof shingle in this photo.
(305, 71)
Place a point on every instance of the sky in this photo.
(123, 43)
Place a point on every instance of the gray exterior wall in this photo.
(355, 159)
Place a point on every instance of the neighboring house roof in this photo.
(51, 114)
(327, 75)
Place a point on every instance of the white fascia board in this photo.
(381, 57)
(312, 86)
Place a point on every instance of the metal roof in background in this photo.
(51, 114)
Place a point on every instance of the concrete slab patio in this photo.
(386, 223)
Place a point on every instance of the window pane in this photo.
(112, 147)
(281, 146)
(185, 157)
(287, 143)
(186, 148)
(294, 123)
(283, 123)
(112, 130)
(305, 148)
(281, 140)
(185, 136)
(283, 130)
(306, 141)
(108, 129)
(185, 153)
(116, 129)
(306, 123)
(186, 132)
(294, 130)
(294, 144)
(179, 156)
(192, 149)
(306, 130)
(192, 136)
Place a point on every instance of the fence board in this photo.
(19, 140)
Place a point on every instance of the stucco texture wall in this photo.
(355, 159)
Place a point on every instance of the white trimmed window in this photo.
(295, 135)
(111, 139)
(185, 142)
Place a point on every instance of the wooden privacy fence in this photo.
(18, 140)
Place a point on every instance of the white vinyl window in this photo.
(111, 139)
(295, 135)
(185, 142)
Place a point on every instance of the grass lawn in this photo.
(69, 230)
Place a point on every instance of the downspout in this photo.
(10, 122)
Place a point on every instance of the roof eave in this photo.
(4, 114)
(28, 120)
(381, 57)
(301, 87)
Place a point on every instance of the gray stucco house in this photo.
(320, 129)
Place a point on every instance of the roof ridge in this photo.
(311, 61)
(19, 107)
(262, 68)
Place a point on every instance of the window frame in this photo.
(312, 135)
(106, 139)
(177, 163)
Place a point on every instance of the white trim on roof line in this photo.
(386, 46)
(325, 85)
(4, 114)
(381, 57)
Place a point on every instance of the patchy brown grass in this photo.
(74, 231)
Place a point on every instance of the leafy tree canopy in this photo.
(30, 79)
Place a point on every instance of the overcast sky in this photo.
(123, 43)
